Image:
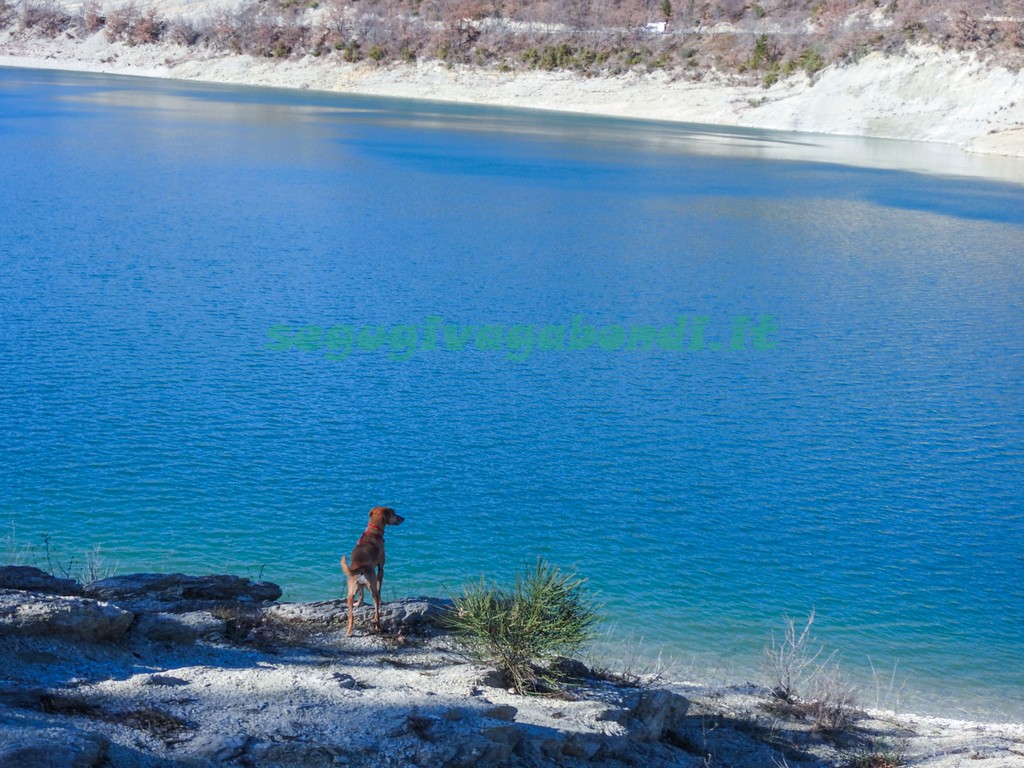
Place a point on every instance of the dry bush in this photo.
(121, 20)
(727, 10)
(46, 18)
(586, 36)
(227, 29)
(966, 26)
(276, 35)
(148, 28)
(806, 685)
(92, 16)
(183, 32)
(832, 701)
(790, 660)
(334, 25)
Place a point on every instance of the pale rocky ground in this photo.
(925, 94)
(169, 670)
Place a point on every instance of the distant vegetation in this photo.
(754, 41)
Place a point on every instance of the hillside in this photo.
(947, 71)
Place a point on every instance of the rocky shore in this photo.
(924, 94)
(175, 670)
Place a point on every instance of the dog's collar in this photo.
(371, 525)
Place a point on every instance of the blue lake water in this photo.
(231, 320)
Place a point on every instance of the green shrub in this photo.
(634, 57)
(879, 753)
(351, 52)
(546, 614)
(766, 52)
(811, 61)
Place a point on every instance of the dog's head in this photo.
(385, 516)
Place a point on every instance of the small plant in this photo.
(352, 53)
(92, 16)
(765, 53)
(816, 690)
(831, 702)
(94, 568)
(811, 61)
(547, 614)
(790, 660)
(879, 753)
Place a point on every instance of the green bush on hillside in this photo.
(547, 614)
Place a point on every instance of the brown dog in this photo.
(367, 569)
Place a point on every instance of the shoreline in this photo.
(924, 95)
(149, 670)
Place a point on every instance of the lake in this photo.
(727, 375)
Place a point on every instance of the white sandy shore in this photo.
(280, 685)
(149, 670)
(925, 95)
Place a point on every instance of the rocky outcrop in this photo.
(27, 747)
(30, 579)
(204, 671)
(24, 613)
(178, 588)
(657, 714)
(408, 614)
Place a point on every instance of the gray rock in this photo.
(166, 680)
(501, 712)
(218, 747)
(177, 587)
(204, 625)
(296, 753)
(414, 613)
(613, 715)
(30, 579)
(550, 747)
(166, 628)
(344, 681)
(25, 697)
(323, 613)
(509, 735)
(576, 745)
(50, 748)
(657, 712)
(26, 613)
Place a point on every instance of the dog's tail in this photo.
(344, 567)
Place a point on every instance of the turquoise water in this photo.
(230, 321)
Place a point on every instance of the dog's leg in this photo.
(351, 609)
(351, 584)
(375, 584)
